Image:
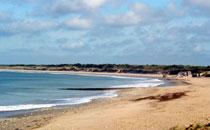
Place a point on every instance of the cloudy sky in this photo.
(105, 31)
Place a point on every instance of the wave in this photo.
(111, 76)
(146, 82)
(141, 82)
(80, 74)
(24, 107)
(137, 85)
(75, 101)
(62, 102)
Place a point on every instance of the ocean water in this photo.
(28, 91)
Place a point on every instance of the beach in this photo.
(180, 104)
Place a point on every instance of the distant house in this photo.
(208, 74)
(184, 74)
(201, 74)
(205, 74)
(165, 74)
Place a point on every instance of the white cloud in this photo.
(75, 45)
(138, 14)
(74, 6)
(200, 3)
(93, 4)
(140, 8)
(198, 48)
(78, 23)
(173, 10)
(197, 7)
(5, 16)
(64, 6)
(151, 31)
(28, 26)
(128, 19)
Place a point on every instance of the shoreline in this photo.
(61, 109)
(114, 91)
(108, 92)
(85, 73)
(50, 118)
(144, 108)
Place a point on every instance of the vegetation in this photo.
(193, 127)
(126, 68)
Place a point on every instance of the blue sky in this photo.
(105, 31)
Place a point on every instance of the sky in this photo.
(105, 31)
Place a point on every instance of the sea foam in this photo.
(63, 102)
(142, 82)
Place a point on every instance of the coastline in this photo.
(50, 118)
(111, 92)
(86, 73)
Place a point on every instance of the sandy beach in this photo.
(160, 108)
(105, 65)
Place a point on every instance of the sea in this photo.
(23, 91)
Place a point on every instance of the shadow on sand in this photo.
(165, 97)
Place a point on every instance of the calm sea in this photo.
(26, 91)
